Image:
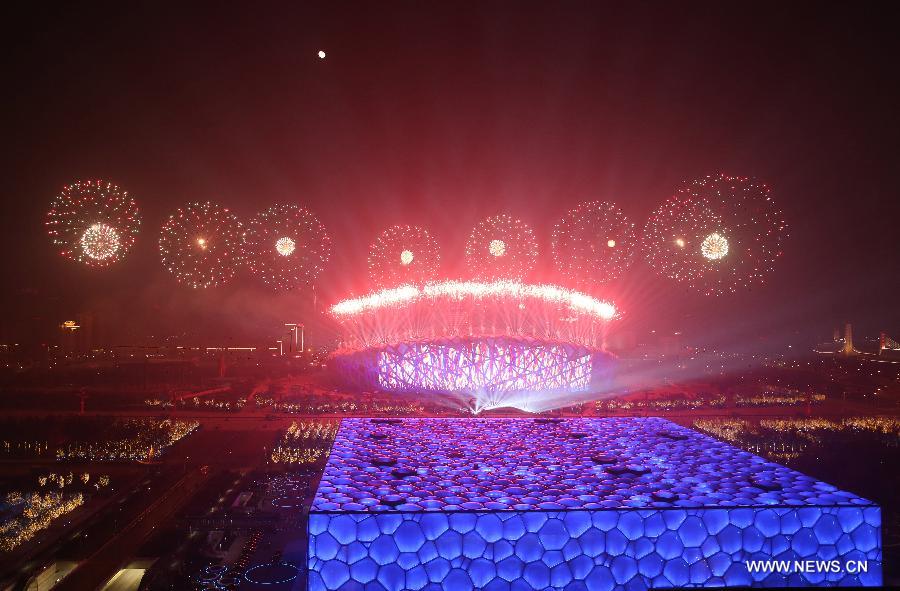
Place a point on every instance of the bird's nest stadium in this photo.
(502, 343)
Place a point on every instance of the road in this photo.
(127, 579)
(102, 564)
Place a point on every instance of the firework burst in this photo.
(200, 245)
(286, 246)
(403, 255)
(593, 244)
(501, 247)
(93, 222)
(717, 235)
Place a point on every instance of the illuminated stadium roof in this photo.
(502, 343)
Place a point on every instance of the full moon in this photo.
(321, 54)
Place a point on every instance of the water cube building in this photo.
(613, 503)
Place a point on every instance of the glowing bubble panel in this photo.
(573, 504)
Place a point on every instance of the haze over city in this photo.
(417, 113)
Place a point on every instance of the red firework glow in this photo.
(471, 308)
(593, 244)
(403, 255)
(501, 247)
(717, 234)
(93, 222)
(200, 245)
(286, 246)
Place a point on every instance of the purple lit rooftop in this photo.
(551, 464)
(571, 504)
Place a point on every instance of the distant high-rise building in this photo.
(296, 337)
(848, 339)
(886, 343)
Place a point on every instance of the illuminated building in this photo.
(624, 504)
(848, 339)
(503, 343)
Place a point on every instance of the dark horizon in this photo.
(440, 117)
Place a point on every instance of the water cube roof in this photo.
(541, 464)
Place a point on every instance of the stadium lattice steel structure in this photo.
(499, 343)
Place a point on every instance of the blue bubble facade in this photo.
(524, 504)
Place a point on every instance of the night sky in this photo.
(439, 115)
